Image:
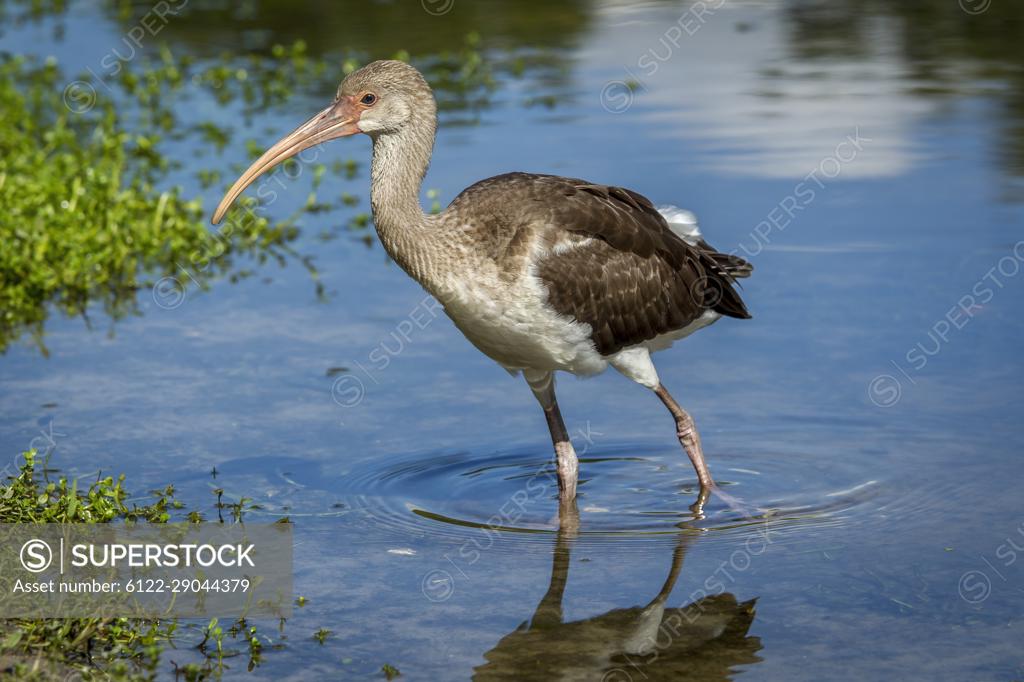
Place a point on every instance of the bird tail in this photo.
(734, 266)
(723, 270)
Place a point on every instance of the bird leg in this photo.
(543, 386)
(686, 429)
(565, 455)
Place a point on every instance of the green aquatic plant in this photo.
(108, 649)
(29, 498)
(435, 203)
(213, 634)
(86, 220)
(89, 648)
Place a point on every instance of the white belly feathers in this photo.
(512, 324)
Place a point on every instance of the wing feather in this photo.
(608, 257)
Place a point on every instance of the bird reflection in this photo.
(702, 640)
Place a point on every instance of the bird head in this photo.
(383, 97)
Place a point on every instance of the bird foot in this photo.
(734, 503)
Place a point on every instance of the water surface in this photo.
(869, 412)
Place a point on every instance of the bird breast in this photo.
(506, 316)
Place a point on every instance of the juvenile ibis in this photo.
(541, 273)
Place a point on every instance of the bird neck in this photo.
(400, 161)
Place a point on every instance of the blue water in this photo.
(868, 408)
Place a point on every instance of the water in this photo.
(874, 432)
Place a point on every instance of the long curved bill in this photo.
(337, 120)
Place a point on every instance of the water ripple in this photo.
(626, 493)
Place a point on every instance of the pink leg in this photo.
(543, 387)
(686, 429)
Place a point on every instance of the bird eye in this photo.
(369, 99)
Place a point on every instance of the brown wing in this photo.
(608, 258)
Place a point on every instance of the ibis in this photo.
(541, 273)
